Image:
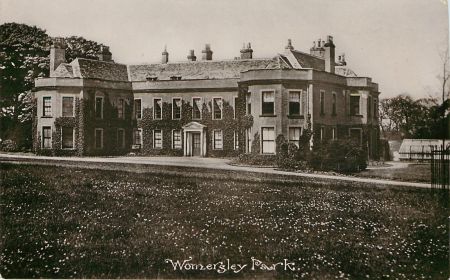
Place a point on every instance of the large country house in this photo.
(202, 107)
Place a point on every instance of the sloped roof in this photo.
(344, 71)
(102, 70)
(64, 70)
(305, 60)
(212, 69)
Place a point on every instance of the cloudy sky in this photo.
(397, 42)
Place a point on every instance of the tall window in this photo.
(334, 103)
(137, 137)
(47, 105)
(138, 108)
(120, 138)
(248, 140)
(268, 140)
(236, 140)
(268, 103)
(322, 102)
(176, 108)
(356, 135)
(157, 139)
(67, 106)
(322, 133)
(67, 137)
(294, 103)
(354, 105)
(99, 107)
(334, 133)
(121, 108)
(294, 135)
(217, 140)
(369, 107)
(46, 137)
(176, 139)
(236, 100)
(248, 100)
(157, 108)
(217, 108)
(98, 138)
(375, 108)
(196, 108)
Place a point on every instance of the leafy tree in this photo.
(24, 56)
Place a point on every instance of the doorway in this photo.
(196, 144)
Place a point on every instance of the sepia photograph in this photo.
(252, 139)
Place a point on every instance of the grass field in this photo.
(75, 223)
(412, 173)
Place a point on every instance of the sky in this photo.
(399, 43)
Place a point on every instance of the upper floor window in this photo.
(334, 103)
(217, 108)
(47, 105)
(236, 100)
(99, 107)
(248, 100)
(67, 106)
(295, 103)
(196, 108)
(176, 108)
(268, 103)
(354, 105)
(322, 102)
(121, 108)
(138, 108)
(157, 108)
(369, 106)
(375, 108)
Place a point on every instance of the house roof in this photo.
(211, 69)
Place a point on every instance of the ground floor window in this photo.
(356, 135)
(268, 140)
(294, 135)
(67, 137)
(248, 140)
(217, 140)
(157, 139)
(46, 137)
(137, 137)
(98, 138)
(236, 140)
(121, 138)
(176, 139)
(334, 133)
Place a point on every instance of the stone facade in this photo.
(202, 108)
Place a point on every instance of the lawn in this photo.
(412, 173)
(76, 223)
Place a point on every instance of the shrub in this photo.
(257, 159)
(9, 146)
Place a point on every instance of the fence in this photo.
(440, 168)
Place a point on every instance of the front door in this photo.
(196, 148)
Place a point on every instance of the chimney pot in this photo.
(207, 52)
(165, 56)
(191, 56)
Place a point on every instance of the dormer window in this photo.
(175, 78)
(152, 78)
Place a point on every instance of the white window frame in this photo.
(154, 137)
(101, 140)
(51, 137)
(214, 139)
(134, 109)
(201, 105)
(296, 142)
(123, 138)
(262, 99)
(334, 135)
(43, 106)
(134, 136)
(62, 105)
(213, 110)
(173, 139)
(274, 140)
(73, 139)
(300, 101)
(236, 140)
(103, 106)
(154, 108)
(181, 107)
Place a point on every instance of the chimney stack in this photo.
(247, 52)
(330, 62)
(317, 49)
(165, 56)
(191, 56)
(57, 54)
(289, 45)
(207, 53)
(104, 54)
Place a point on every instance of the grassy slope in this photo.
(68, 222)
(412, 173)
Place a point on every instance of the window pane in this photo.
(47, 102)
(120, 138)
(218, 139)
(46, 137)
(99, 107)
(98, 138)
(138, 108)
(67, 106)
(196, 110)
(157, 106)
(217, 108)
(120, 108)
(177, 139)
(157, 139)
(268, 140)
(294, 103)
(354, 105)
(137, 139)
(294, 135)
(176, 108)
(67, 137)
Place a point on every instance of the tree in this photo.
(24, 56)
